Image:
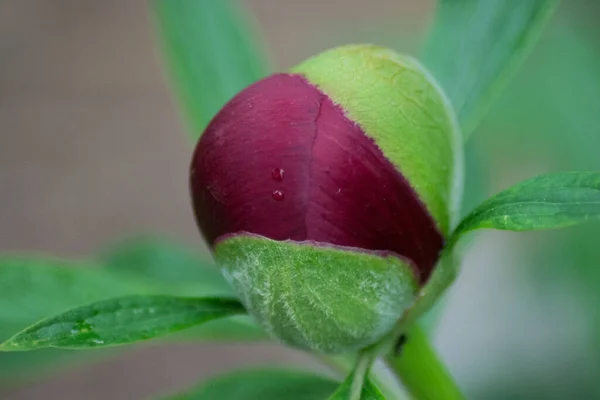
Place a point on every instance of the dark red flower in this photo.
(340, 153)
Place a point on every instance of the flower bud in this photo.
(327, 193)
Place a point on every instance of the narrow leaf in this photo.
(476, 47)
(211, 52)
(33, 288)
(545, 202)
(179, 270)
(262, 384)
(120, 321)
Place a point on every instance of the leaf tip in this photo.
(8, 345)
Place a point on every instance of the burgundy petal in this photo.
(282, 161)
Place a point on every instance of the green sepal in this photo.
(318, 297)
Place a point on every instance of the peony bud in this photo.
(327, 193)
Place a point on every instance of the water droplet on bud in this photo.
(277, 174)
(278, 195)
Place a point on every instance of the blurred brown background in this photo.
(92, 149)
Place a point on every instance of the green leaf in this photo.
(476, 47)
(263, 384)
(211, 52)
(32, 288)
(545, 202)
(179, 270)
(160, 261)
(120, 321)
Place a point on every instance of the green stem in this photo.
(379, 374)
(421, 371)
(387, 381)
(365, 359)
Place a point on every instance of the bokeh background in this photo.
(92, 149)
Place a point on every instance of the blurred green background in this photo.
(92, 149)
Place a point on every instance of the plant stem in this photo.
(379, 374)
(421, 371)
(365, 359)
(387, 381)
